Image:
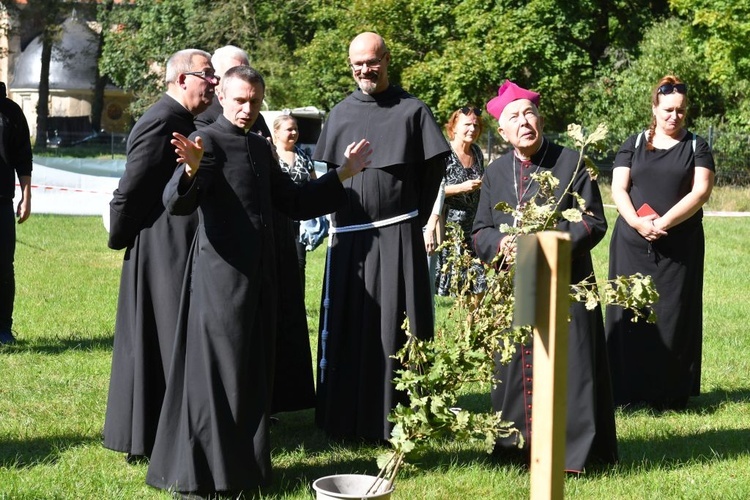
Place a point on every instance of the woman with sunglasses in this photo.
(463, 178)
(661, 179)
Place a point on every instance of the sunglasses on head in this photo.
(468, 110)
(669, 88)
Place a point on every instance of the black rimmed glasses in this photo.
(467, 110)
(372, 63)
(206, 75)
(669, 88)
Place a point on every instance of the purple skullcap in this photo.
(508, 93)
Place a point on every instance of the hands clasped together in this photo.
(650, 227)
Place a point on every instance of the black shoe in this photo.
(6, 337)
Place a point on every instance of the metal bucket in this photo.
(350, 486)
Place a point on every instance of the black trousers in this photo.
(7, 254)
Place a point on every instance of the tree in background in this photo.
(592, 60)
(621, 93)
(703, 44)
(451, 53)
(271, 32)
(139, 37)
(100, 80)
(719, 31)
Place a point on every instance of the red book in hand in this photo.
(645, 210)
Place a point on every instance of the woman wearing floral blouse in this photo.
(463, 178)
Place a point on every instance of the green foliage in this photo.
(140, 38)
(270, 32)
(448, 54)
(596, 60)
(435, 371)
(621, 95)
(720, 29)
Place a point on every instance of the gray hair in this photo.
(228, 52)
(182, 62)
(245, 73)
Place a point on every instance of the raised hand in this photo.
(357, 158)
(188, 152)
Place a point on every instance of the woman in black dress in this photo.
(662, 178)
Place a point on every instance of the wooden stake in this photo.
(551, 304)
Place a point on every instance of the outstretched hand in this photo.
(188, 152)
(357, 158)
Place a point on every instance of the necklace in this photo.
(461, 156)
(520, 194)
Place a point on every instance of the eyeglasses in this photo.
(372, 63)
(669, 88)
(467, 110)
(206, 75)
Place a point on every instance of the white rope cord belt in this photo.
(372, 225)
(327, 300)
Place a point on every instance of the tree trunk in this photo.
(42, 107)
(97, 105)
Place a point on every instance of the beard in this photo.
(368, 83)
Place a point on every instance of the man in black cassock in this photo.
(213, 434)
(376, 269)
(294, 387)
(156, 248)
(590, 429)
(222, 59)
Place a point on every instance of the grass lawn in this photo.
(55, 380)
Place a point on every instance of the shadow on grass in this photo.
(675, 451)
(711, 402)
(296, 445)
(60, 345)
(672, 450)
(296, 432)
(705, 404)
(26, 453)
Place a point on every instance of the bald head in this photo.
(369, 40)
(369, 59)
